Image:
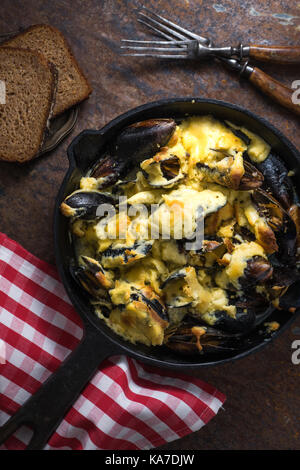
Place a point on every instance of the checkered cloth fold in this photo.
(127, 405)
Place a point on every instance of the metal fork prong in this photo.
(160, 33)
(149, 48)
(159, 56)
(163, 27)
(155, 42)
(178, 28)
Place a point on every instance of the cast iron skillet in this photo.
(44, 411)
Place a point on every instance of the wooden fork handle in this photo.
(275, 54)
(284, 95)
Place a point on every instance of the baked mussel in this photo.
(191, 339)
(167, 286)
(134, 143)
(163, 170)
(84, 204)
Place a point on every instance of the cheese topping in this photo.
(148, 273)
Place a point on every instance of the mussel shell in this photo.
(169, 172)
(286, 232)
(120, 256)
(108, 171)
(238, 133)
(179, 310)
(121, 186)
(180, 302)
(258, 269)
(134, 143)
(177, 301)
(277, 179)
(243, 322)
(223, 179)
(153, 303)
(84, 204)
(241, 135)
(88, 284)
(210, 245)
(174, 276)
(104, 304)
(94, 268)
(251, 179)
(142, 139)
(213, 341)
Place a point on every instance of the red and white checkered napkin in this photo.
(127, 405)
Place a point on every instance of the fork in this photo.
(191, 49)
(266, 53)
(181, 43)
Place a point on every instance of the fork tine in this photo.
(170, 43)
(178, 28)
(163, 27)
(149, 48)
(158, 56)
(167, 36)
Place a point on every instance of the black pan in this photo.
(44, 411)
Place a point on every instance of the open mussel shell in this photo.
(90, 276)
(282, 278)
(190, 339)
(294, 213)
(277, 180)
(246, 179)
(108, 171)
(123, 255)
(152, 301)
(242, 323)
(175, 276)
(210, 245)
(122, 185)
(95, 269)
(87, 281)
(258, 269)
(252, 177)
(142, 139)
(163, 170)
(175, 299)
(240, 134)
(134, 144)
(84, 204)
(104, 305)
(280, 222)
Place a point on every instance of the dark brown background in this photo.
(263, 403)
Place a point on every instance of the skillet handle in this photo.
(47, 407)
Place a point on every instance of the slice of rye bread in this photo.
(30, 85)
(72, 86)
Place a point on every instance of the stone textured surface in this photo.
(262, 409)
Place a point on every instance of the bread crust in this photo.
(51, 102)
(73, 59)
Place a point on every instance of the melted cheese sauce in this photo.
(237, 264)
(258, 149)
(197, 140)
